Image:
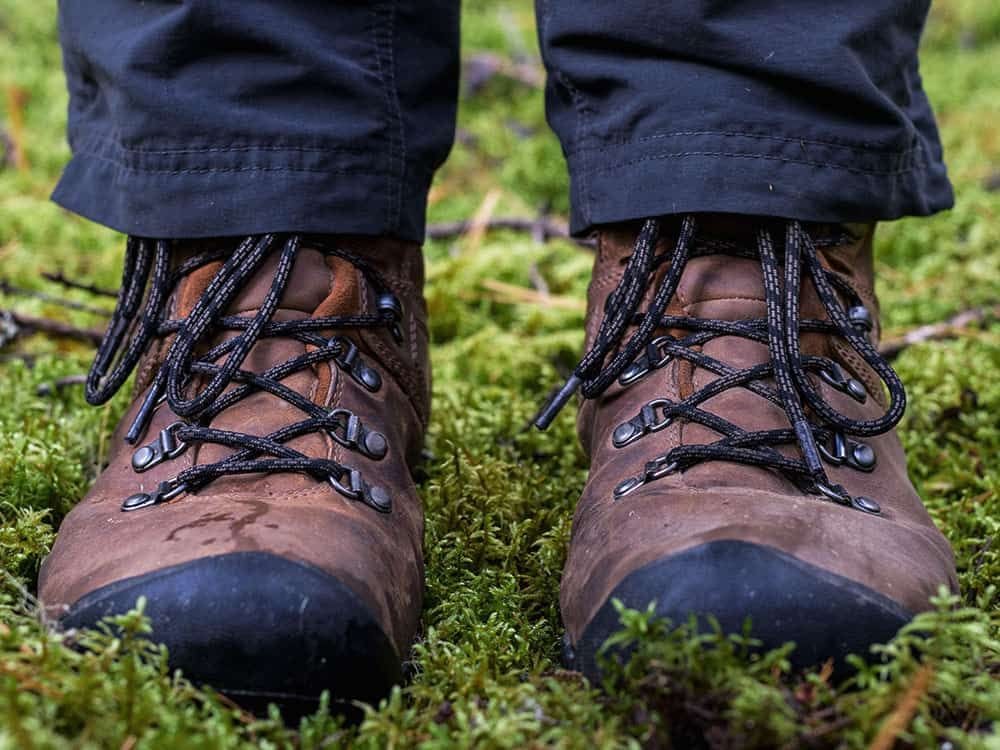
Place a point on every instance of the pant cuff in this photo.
(751, 174)
(254, 191)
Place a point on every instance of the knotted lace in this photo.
(818, 429)
(140, 317)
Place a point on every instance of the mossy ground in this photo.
(499, 500)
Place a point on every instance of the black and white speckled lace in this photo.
(820, 431)
(140, 317)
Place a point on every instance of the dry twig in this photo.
(947, 329)
(7, 288)
(904, 711)
(62, 280)
(31, 324)
(504, 292)
(541, 228)
(16, 99)
(479, 222)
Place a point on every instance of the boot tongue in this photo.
(308, 285)
(314, 288)
(724, 287)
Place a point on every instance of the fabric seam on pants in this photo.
(86, 149)
(861, 147)
(917, 166)
(579, 105)
(384, 34)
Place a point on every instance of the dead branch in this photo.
(7, 288)
(59, 278)
(542, 229)
(905, 710)
(511, 293)
(947, 329)
(30, 324)
(60, 384)
(16, 99)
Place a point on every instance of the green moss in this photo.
(500, 499)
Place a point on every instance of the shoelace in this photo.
(830, 438)
(147, 266)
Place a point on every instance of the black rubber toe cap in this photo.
(826, 615)
(258, 628)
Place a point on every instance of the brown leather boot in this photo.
(258, 491)
(740, 430)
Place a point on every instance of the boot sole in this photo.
(826, 615)
(260, 629)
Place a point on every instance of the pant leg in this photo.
(212, 117)
(811, 109)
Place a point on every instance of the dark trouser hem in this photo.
(753, 175)
(213, 117)
(248, 199)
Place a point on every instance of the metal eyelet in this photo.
(165, 492)
(839, 495)
(351, 362)
(389, 303)
(835, 376)
(860, 318)
(655, 469)
(351, 433)
(834, 492)
(843, 451)
(374, 496)
(652, 359)
(866, 504)
(166, 447)
(643, 423)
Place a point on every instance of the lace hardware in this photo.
(166, 447)
(866, 504)
(154, 397)
(628, 485)
(351, 433)
(652, 359)
(841, 450)
(655, 469)
(357, 489)
(860, 318)
(165, 492)
(351, 362)
(556, 402)
(839, 495)
(834, 492)
(388, 303)
(835, 376)
(645, 422)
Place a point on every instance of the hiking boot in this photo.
(740, 426)
(258, 491)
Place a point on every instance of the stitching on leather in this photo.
(721, 299)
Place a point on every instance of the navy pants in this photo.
(193, 118)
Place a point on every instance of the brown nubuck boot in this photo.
(258, 491)
(739, 422)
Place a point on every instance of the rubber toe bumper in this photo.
(258, 628)
(826, 615)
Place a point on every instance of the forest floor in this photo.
(498, 500)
